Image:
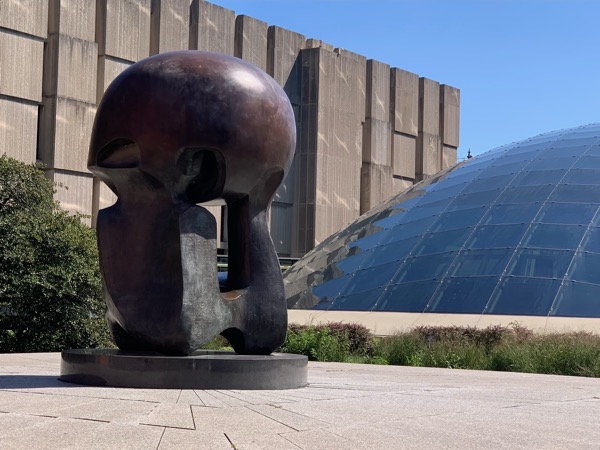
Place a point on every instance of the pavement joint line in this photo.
(81, 396)
(258, 399)
(210, 407)
(288, 398)
(446, 413)
(325, 430)
(40, 415)
(291, 412)
(578, 399)
(161, 438)
(154, 409)
(91, 420)
(193, 418)
(238, 396)
(342, 388)
(230, 442)
(300, 414)
(337, 434)
(155, 425)
(178, 396)
(270, 418)
(215, 397)
(351, 397)
(291, 442)
(223, 392)
(201, 401)
(227, 398)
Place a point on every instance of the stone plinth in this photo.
(203, 369)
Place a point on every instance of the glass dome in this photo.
(513, 231)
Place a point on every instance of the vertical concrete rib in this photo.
(123, 30)
(251, 40)
(69, 100)
(376, 171)
(449, 124)
(23, 29)
(428, 158)
(169, 25)
(212, 28)
(284, 65)
(332, 112)
(404, 116)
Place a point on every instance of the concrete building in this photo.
(365, 130)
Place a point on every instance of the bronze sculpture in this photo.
(174, 130)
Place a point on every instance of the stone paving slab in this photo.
(345, 406)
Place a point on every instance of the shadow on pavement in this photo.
(32, 381)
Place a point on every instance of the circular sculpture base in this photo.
(203, 369)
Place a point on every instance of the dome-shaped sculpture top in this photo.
(166, 113)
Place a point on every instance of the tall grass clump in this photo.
(511, 348)
(447, 347)
(576, 353)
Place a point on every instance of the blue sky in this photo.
(524, 67)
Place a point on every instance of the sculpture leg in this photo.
(260, 316)
(124, 340)
(204, 312)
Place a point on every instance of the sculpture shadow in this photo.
(32, 381)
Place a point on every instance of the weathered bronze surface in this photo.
(174, 130)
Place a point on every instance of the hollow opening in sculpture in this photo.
(234, 336)
(206, 167)
(119, 154)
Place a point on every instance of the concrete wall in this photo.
(332, 112)
(377, 170)
(387, 323)
(69, 101)
(23, 33)
(284, 65)
(365, 130)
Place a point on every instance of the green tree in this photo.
(50, 286)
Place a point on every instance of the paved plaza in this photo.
(345, 406)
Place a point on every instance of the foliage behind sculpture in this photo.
(50, 287)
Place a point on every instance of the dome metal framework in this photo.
(514, 231)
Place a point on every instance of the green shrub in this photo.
(217, 343)
(402, 349)
(50, 287)
(464, 356)
(420, 349)
(486, 338)
(360, 339)
(379, 360)
(318, 343)
(512, 348)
